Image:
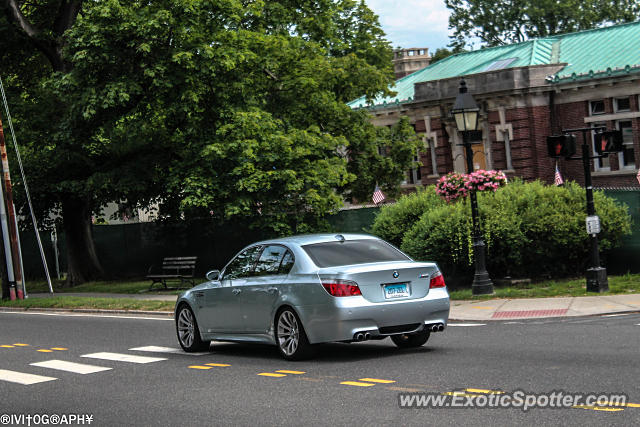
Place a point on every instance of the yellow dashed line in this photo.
(21, 345)
(375, 380)
(7, 346)
(199, 367)
(284, 371)
(45, 351)
(628, 405)
(59, 348)
(357, 384)
(598, 408)
(479, 390)
(271, 374)
(217, 364)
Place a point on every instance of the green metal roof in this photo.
(594, 53)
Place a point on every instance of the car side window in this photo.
(242, 265)
(286, 264)
(269, 261)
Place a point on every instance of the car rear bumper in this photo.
(347, 316)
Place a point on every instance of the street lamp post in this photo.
(465, 111)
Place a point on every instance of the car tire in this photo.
(188, 332)
(291, 338)
(411, 340)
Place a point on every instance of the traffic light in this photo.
(561, 145)
(608, 142)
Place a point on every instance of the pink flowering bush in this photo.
(454, 185)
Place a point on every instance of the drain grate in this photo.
(528, 313)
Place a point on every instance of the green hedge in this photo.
(531, 229)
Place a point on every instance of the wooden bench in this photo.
(177, 269)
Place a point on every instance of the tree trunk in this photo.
(82, 262)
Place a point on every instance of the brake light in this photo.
(341, 288)
(437, 281)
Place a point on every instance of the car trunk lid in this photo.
(387, 281)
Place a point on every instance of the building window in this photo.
(626, 158)
(603, 163)
(596, 107)
(621, 104)
(415, 177)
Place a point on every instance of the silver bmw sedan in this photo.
(299, 291)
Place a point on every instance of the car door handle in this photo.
(272, 290)
(236, 291)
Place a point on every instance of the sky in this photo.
(413, 23)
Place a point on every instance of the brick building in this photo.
(526, 92)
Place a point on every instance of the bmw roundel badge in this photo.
(395, 274)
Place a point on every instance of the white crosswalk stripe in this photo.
(78, 368)
(23, 378)
(170, 350)
(466, 324)
(119, 357)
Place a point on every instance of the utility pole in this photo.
(17, 289)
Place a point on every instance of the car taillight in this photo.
(437, 281)
(341, 288)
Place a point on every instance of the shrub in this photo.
(394, 220)
(530, 229)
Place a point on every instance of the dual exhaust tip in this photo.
(438, 327)
(362, 336)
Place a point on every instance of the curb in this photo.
(87, 310)
(604, 313)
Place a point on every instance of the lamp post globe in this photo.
(465, 112)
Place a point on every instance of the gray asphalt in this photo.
(592, 354)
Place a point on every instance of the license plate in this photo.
(396, 290)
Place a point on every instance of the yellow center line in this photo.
(59, 348)
(284, 371)
(217, 364)
(45, 351)
(480, 390)
(6, 346)
(21, 345)
(628, 405)
(598, 408)
(357, 384)
(375, 380)
(199, 367)
(271, 374)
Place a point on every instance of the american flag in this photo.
(378, 195)
(558, 178)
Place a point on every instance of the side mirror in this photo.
(213, 275)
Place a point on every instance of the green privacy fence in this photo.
(128, 250)
(626, 257)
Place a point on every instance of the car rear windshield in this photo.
(348, 252)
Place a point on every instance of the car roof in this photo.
(307, 239)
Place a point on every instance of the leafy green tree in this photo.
(440, 54)
(513, 21)
(230, 108)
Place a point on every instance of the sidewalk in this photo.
(531, 308)
(148, 297)
(494, 309)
